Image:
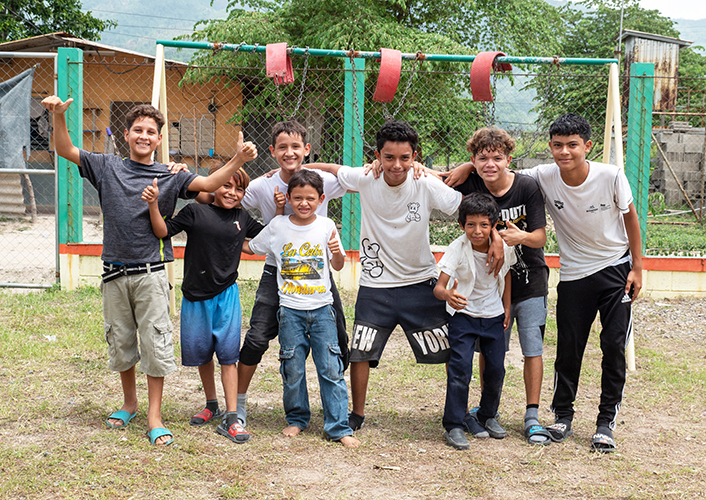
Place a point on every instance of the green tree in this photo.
(427, 26)
(25, 18)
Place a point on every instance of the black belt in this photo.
(114, 271)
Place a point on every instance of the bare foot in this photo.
(349, 442)
(128, 408)
(291, 431)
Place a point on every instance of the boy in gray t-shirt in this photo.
(134, 285)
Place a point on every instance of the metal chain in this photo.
(415, 65)
(301, 89)
(540, 118)
(355, 103)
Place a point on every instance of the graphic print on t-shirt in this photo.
(518, 216)
(303, 263)
(369, 258)
(413, 215)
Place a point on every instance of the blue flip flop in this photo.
(120, 415)
(157, 433)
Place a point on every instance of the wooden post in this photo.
(159, 101)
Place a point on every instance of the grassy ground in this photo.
(57, 391)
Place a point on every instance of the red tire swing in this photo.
(278, 64)
(389, 75)
(480, 74)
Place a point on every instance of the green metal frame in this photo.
(353, 140)
(376, 55)
(353, 147)
(637, 158)
(69, 182)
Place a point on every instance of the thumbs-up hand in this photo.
(455, 299)
(280, 199)
(333, 244)
(513, 235)
(151, 193)
(54, 104)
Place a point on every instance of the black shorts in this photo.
(415, 308)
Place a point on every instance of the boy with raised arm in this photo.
(306, 245)
(521, 225)
(479, 305)
(134, 283)
(210, 309)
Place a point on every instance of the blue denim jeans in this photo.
(315, 331)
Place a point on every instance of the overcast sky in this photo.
(677, 9)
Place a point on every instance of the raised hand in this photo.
(334, 245)
(513, 235)
(280, 199)
(54, 104)
(151, 193)
(248, 151)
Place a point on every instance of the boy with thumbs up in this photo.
(479, 305)
(306, 246)
(522, 225)
(134, 283)
(210, 309)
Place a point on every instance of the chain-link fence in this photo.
(434, 98)
(27, 200)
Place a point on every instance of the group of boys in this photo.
(495, 277)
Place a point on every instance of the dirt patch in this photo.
(57, 430)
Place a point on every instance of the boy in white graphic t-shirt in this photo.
(305, 245)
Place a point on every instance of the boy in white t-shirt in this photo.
(600, 252)
(479, 305)
(398, 268)
(305, 245)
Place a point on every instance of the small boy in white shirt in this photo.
(483, 304)
(305, 245)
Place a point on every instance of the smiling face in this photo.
(304, 201)
(289, 151)
(491, 165)
(229, 195)
(569, 152)
(396, 159)
(143, 138)
(477, 229)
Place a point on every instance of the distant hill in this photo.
(693, 31)
(141, 24)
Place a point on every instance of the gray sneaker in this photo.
(456, 438)
(495, 429)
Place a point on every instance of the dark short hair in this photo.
(241, 176)
(490, 139)
(290, 127)
(306, 177)
(478, 204)
(570, 124)
(396, 131)
(144, 111)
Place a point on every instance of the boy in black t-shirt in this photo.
(210, 311)
(522, 225)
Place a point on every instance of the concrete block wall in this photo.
(683, 147)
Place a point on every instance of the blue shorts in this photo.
(209, 326)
